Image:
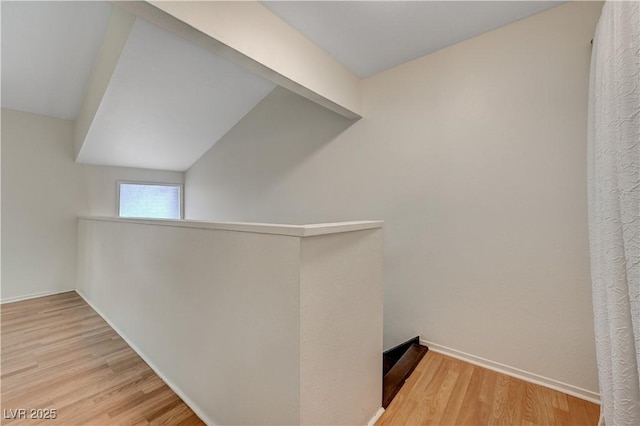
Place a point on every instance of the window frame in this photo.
(180, 187)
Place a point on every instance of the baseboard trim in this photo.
(33, 296)
(137, 350)
(515, 372)
(376, 417)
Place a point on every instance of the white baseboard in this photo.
(515, 372)
(33, 296)
(376, 417)
(137, 350)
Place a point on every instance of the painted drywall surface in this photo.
(48, 50)
(43, 191)
(250, 34)
(341, 327)
(39, 201)
(161, 75)
(276, 329)
(215, 311)
(120, 25)
(269, 144)
(100, 186)
(475, 158)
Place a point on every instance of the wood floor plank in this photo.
(593, 410)
(517, 393)
(431, 400)
(456, 400)
(58, 353)
(578, 410)
(446, 391)
(471, 411)
(173, 416)
(192, 420)
(499, 403)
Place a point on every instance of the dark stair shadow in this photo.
(398, 364)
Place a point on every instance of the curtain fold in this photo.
(614, 209)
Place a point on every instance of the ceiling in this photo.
(168, 101)
(372, 36)
(48, 50)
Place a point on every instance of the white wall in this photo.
(43, 191)
(249, 34)
(341, 328)
(475, 157)
(39, 201)
(247, 327)
(273, 139)
(214, 311)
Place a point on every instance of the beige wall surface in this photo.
(39, 200)
(43, 191)
(249, 34)
(215, 312)
(341, 327)
(475, 157)
(272, 329)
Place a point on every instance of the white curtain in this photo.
(614, 208)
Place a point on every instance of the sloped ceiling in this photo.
(372, 36)
(167, 103)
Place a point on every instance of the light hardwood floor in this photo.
(445, 391)
(57, 353)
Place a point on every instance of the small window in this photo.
(150, 200)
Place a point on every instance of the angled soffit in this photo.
(167, 102)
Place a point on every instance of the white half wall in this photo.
(43, 191)
(248, 323)
(475, 158)
(214, 311)
(341, 328)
